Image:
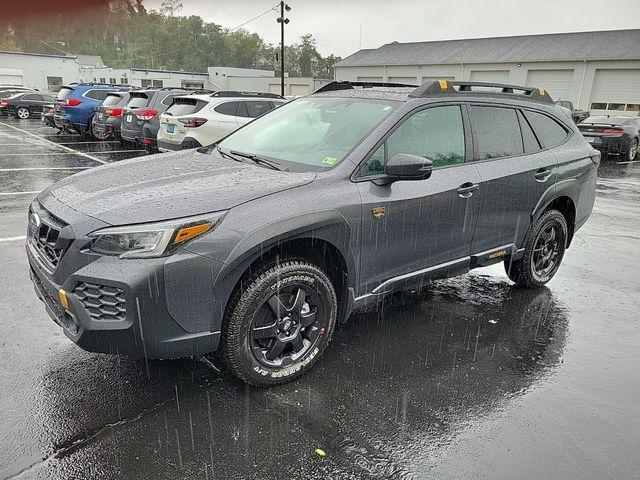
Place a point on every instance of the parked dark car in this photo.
(107, 120)
(9, 91)
(141, 116)
(260, 244)
(24, 105)
(576, 114)
(48, 115)
(616, 136)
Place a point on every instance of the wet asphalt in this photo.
(467, 378)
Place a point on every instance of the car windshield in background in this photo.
(183, 106)
(312, 131)
(64, 93)
(111, 100)
(137, 102)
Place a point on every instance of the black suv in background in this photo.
(107, 120)
(141, 116)
(261, 243)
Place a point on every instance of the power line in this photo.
(256, 17)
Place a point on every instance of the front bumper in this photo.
(157, 308)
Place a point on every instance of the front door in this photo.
(411, 225)
(515, 169)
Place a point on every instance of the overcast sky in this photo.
(336, 24)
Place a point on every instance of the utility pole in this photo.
(282, 21)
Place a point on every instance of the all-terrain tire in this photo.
(252, 295)
(523, 272)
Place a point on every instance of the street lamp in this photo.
(282, 21)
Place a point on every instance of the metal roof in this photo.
(603, 45)
(28, 54)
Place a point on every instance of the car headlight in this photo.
(152, 239)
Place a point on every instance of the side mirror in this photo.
(404, 166)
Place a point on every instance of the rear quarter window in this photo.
(227, 108)
(184, 106)
(64, 93)
(496, 132)
(111, 100)
(99, 95)
(549, 132)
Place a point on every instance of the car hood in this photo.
(166, 186)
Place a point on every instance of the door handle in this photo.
(543, 175)
(466, 189)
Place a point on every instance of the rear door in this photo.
(412, 225)
(226, 120)
(516, 168)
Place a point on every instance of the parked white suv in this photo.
(196, 120)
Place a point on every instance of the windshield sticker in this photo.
(329, 160)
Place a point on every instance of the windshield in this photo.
(137, 101)
(312, 130)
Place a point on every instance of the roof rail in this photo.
(347, 85)
(236, 93)
(201, 91)
(444, 87)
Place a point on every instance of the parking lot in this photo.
(468, 378)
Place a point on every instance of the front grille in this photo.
(45, 236)
(102, 302)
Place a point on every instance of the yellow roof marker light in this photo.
(443, 84)
(62, 295)
(541, 90)
(189, 232)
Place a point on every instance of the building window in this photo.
(616, 106)
(598, 106)
(102, 80)
(112, 80)
(123, 80)
(54, 84)
(145, 83)
(633, 107)
(191, 85)
(158, 83)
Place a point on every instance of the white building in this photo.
(253, 80)
(47, 73)
(595, 70)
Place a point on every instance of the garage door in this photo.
(435, 79)
(616, 86)
(557, 82)
(369, 79)
(299, 89)
(11, 76)
(274, 88)
(492, 76)
(405, 80)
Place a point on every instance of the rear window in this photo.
(495, 132)
(184, 106)
(549, 132)
(137, 101)
(227, 108)
(111, 100)
(64, 92)
(97, 94)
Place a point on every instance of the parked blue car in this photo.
(76, 104)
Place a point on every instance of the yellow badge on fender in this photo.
(378, 212)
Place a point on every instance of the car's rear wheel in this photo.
(279, 322)
(23, 113)
(633, 149)
(543, 253)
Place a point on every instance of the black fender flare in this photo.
(326, 225)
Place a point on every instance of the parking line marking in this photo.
(26, 169)
(13, 239)
(84, 143)
(8, 194)
(626, 163)
(82, 154)
(117, 151)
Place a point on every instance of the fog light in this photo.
(63, 299)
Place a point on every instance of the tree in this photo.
(170, 7)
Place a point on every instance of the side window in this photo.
(32, 96)
(168, 100)
(227, 108)
(255, 109)
(495, 132)
(528, 137)
(436, 133)
(97, 94)
(549, 132)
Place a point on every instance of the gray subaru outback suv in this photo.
(259, 245)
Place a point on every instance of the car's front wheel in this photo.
(544, 250)
(23, 113)
(279, 322)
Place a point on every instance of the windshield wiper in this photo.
(258, 160)
(225, 154)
